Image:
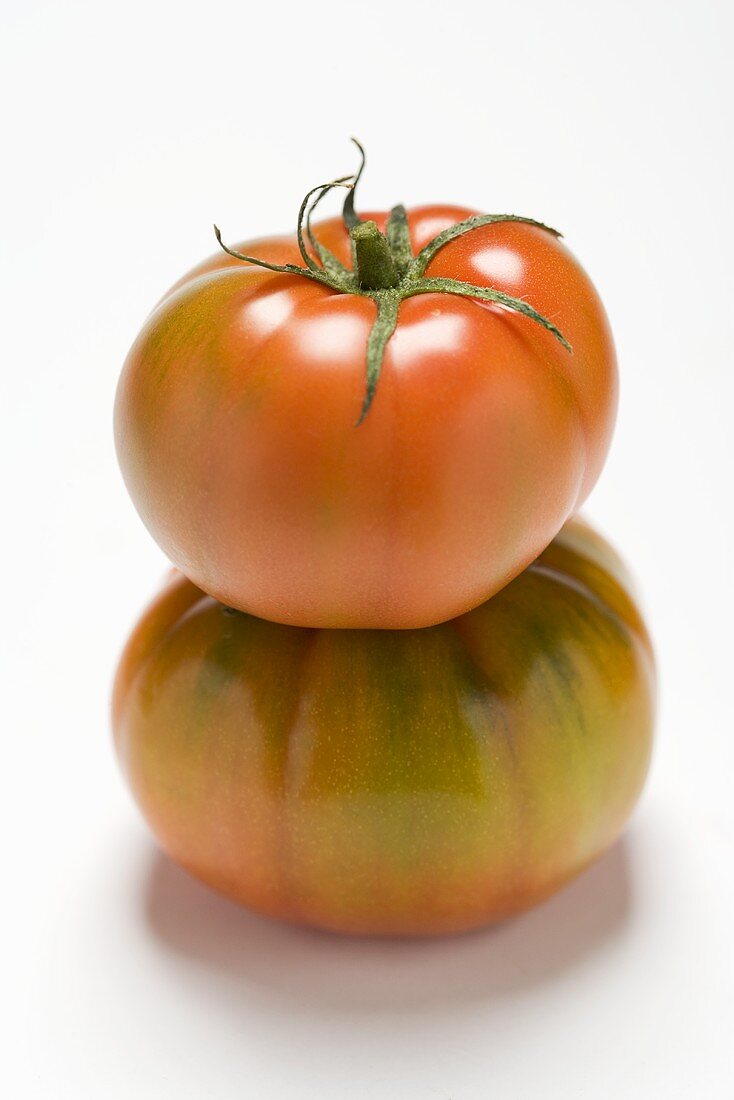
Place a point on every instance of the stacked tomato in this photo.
(394, 687)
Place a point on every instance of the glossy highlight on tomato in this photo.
(236, 430)
(394, 782)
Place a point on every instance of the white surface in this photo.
(129, 129)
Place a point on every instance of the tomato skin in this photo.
(235, 427)
(394, 782)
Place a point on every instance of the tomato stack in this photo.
(395, 688)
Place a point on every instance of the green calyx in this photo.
(385, 269)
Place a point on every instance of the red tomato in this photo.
(236, 426)
(394, 782)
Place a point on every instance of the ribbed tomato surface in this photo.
(394, 782)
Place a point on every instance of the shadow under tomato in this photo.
(319, 970)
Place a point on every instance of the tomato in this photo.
(394, 782)
(239, 435)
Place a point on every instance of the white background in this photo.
(127, 130)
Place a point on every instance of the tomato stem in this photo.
(374, 266)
